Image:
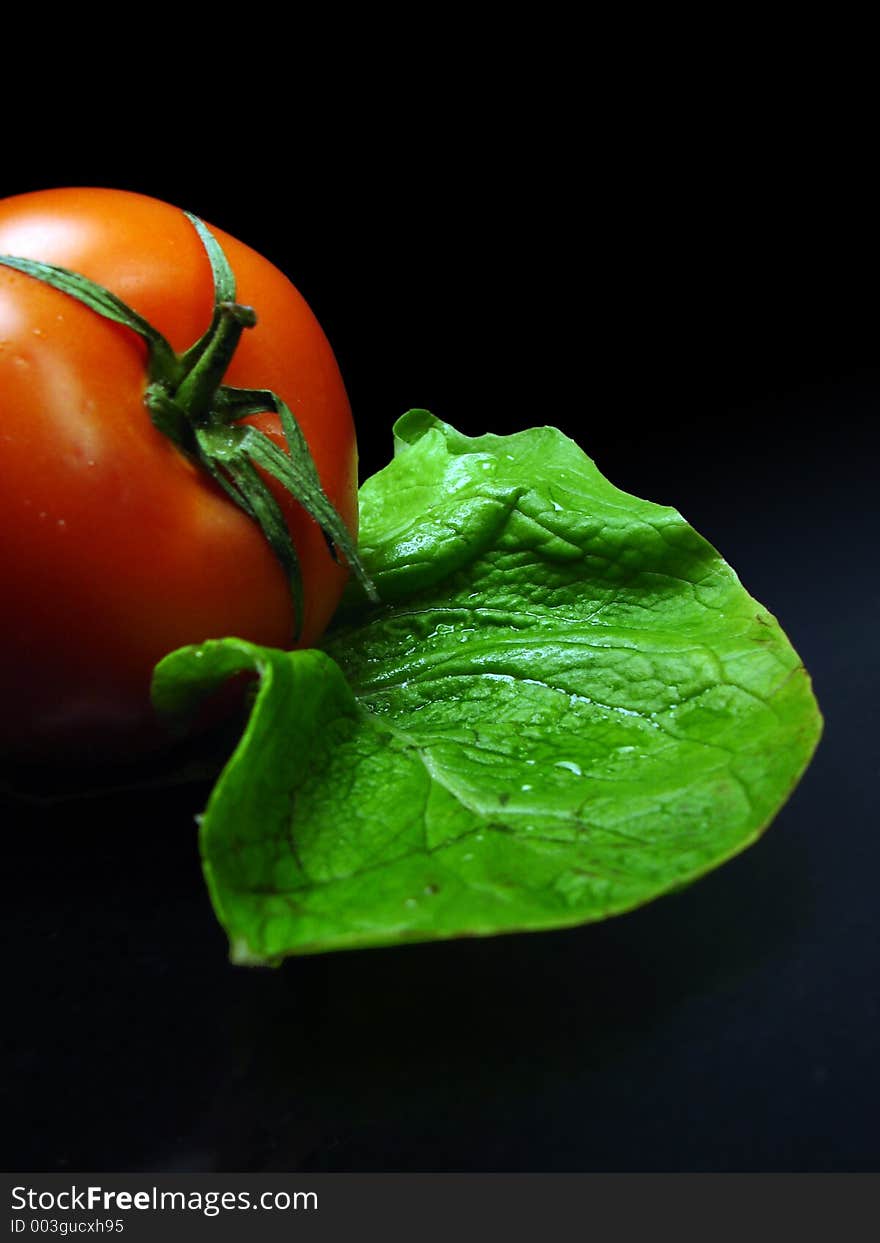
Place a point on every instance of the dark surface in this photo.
(714, 347)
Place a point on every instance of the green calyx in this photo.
(188, 402)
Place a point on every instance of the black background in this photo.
(697, 306)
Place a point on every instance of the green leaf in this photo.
(565, 705)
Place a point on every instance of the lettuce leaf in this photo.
(565, 705)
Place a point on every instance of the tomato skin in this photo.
(114, 548)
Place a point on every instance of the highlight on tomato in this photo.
(178, 461)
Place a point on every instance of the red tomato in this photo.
(114, 548)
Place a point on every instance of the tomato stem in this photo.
(196, 393)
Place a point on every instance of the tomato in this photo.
(115, 548)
